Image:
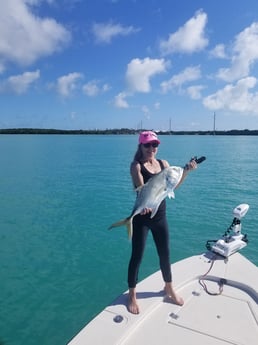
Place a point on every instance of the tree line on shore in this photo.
(121, 131)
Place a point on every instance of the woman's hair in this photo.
(138, 154)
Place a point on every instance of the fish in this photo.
(151, 194)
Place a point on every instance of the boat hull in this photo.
(223, 310)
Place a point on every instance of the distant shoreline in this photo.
(121, 131)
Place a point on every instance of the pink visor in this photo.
(148, 137)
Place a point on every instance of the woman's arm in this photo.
(136, 174)
(138, 181)
(187, 168)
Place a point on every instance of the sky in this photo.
(153, 64)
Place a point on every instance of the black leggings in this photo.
(159, 228)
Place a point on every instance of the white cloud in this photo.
(24, 36)
(92, 88)
(195, 91)
(189, 74)
(139, 72)
(219, 52)
(2, 67)
(235, 97)
(145, 110)
(68, 83)
(244, 55)
(73, 115)
(105, 32)
(19, 83)
(157, 105)
(120, 101)
(106, 87)
(189, 38)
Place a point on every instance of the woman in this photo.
(144, 166)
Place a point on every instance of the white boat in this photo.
(220, 290)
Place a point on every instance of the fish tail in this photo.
(119, 223)
(127, 222)
(129, 225)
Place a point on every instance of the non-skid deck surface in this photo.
(204, 319)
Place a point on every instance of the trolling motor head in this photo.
(238, 212)
(232, 240)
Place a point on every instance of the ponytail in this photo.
(138, 154)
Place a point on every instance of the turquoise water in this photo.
(59, 264)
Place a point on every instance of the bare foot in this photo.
(171, 294)
(132, 305)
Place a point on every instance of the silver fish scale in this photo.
(160, 186)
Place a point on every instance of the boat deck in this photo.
(231, 317)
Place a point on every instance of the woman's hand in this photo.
(146, 210)
(191, 165)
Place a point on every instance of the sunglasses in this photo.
(148, 145)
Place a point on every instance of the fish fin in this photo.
(171, 195)
(129, 225)
(127, 222)
(119, 223)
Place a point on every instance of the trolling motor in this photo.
(233, 240)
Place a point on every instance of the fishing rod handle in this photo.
(200, 159)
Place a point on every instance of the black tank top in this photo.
(146, 176)
(146, 173)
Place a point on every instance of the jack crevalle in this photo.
(151, 194)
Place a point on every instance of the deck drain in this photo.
(118, 319)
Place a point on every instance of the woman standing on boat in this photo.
(144, 166)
